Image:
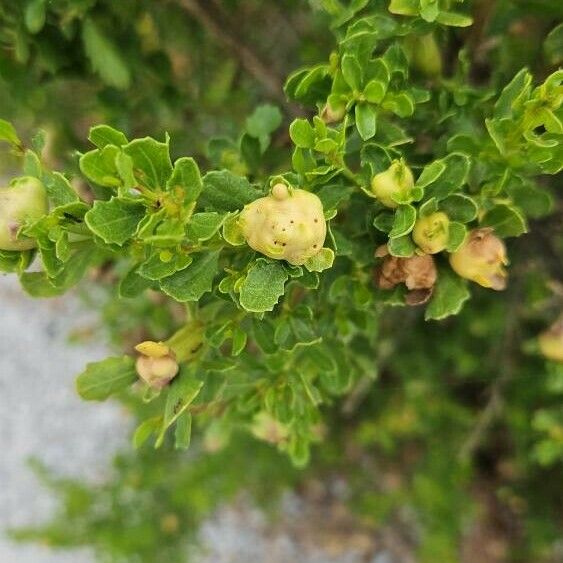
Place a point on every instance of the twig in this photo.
(248, 59)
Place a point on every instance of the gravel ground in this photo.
(41, 416)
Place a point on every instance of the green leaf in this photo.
(186, 177)
(402, 247)
(403, 223)
(263, 122)
(404, 7)
(459, 207)
(451, 179)
(263, 286)
(232, 231)
(302, 133)
(375, 90)
(506, 220)
(99, 166)
(400, 104)
(454, 19)
(103, 135)
(181, 394)
(448, 297)
(225, 191)
(263, 333)
(104, 56)
(429, 10)
(37, 284)
(553, 45)
(102, 379)
(154, 268)
(430, 173)
(366, 120)
(183, 432)
(194, 281)
(321, 261)
(352, 71)
(8, 133)
(115, 221)
(133, 284)
(513, 95)
(151, 162)
(34, 15)
(456, 236)
(203, 226)
(12, 261)
(144, 431)
(535, 201)
(59, 190)
(240, 339)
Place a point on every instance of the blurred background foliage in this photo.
(459, 441)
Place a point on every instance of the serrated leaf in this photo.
(37, 284)
(366, 120)
(102, 135)
(403, 223)
(224, 191)
(203, 226)
(154, 268)
(402, 247)
(513, 94)
(151, 162)
(430, 173)
(59, 190)
(448, 297)
(99, 166)
(181, 393)
(506, 220)
(194, 281)
(352, 71)
(187, 177)
(102, 379)
(451, 179)
(104, 56)
(374, 91)
(321, 261)
(115, 221)
(456, 236)
(459, 207)
(302, 133)
(263, 286)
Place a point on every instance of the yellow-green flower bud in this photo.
(25, 200)
(286, 225)
(431, 233)
(396, 181)
(481, 259)
(157, 364)
(551, 342)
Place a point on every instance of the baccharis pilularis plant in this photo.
(406, 178)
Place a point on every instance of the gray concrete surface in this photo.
(41, 415)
